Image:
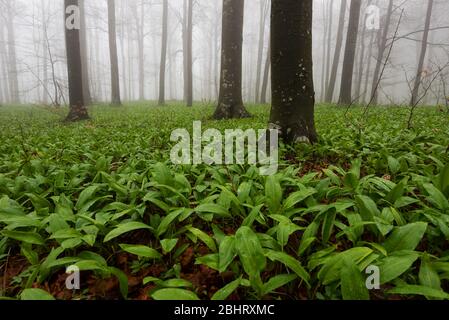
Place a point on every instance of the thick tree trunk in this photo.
(115, 80)
(12, 63)
(333, 76)
(266, 73)
(292, 70)
(84, 57)
(163, 64)
(230, 102)
(78, 109)
(422, 57)
(348, 63)
(263, 17)
(382, 46)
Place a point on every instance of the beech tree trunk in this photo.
(418, 78)
(84, 58)
(266, 73)
(293, 91)
(163, 65)
(333, 76)
(348, 63)
(263, 18)
(12, 59)
(4, 62)
(189, 55)
(115, 81)
(78, 110)
(230, 102)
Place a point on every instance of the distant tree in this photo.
(12, 58)
(382, 48)
(163, 64)
(187, 51)
(337, 53)
(230, 101)
(422, 56)
(266, 73)
(293, 94)
(3, 64)
(264, 5)
(115, 81)
(348, 63)
(84, 58)
(78, 110)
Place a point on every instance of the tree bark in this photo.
(12, 63)
(230, 102)
(329, 43)
(84, 58)
(163, 64)
(4, 59)
(263, 11)
(418, 78)
(293, 91)
(266, 73)
(115, 81)
(380, 54)
(78, 110)
(333, 76)
(348, 63)
(189, 54)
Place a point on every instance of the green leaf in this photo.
(277, 282)
(213, 208)
(226, 253)
(168, 245)
(419, 290)
(396, 264)
(210, 243)
(437, 198)
(290, 263)
(124, 228)
(367, 208)
(27, 237)
(298, 196)
(167, 220)
(250, 251)
(444, 180)
(122, 279)
(273, 194)
(428, 276)
(394, 165)
(405, 238)
(174, 294)
(353, 286)
(86, 195)
(35, 294)
(141, 251)
(227, 290)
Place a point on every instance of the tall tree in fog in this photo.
(382, 47)
(115, 81)
(262, 19)
(333, 76)
(78, 110)
(12, 59)
(230, 102)
(293, 94)
(84, 58)
(422, 56)
(4, 82)
(187, 51)
(266, 72)
(348, 63)
(163, 65)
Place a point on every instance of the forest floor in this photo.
(103, 196)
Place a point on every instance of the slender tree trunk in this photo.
(422, 57)
(348, 63)
(358, 81)
(163, 65)
(122, 52)
(292, 70)
(323, 61)
(78, 109)
(329, 44)
(189, 54)
(368, 67)
(4, 70)
(381, 52)
(115, 80)
(230, 102)
(333, 76)
(266, 72)
(263, 17)
(84, 57)
(44, 54)
(12, 63)
(140, 25)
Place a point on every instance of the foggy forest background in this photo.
(32, 50)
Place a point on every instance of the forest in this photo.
(224, 150)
